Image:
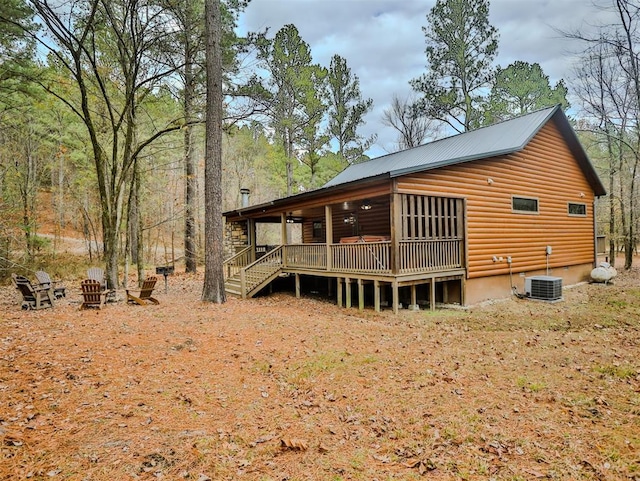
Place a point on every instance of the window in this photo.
(317, 229)
(577, 209)
(524, 205)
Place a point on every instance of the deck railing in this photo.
(375, 257)
(415, 256)
(234, 264)
(256, 273)
(306, 256)
(365, 257)
(430, 255)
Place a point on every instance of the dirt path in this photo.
(71, 245)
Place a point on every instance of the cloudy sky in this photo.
(383, 42)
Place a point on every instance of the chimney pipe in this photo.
(244, 192)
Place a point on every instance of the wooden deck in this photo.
(415, 262)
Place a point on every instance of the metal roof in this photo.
(498, 139)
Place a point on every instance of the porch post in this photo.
(251, 233)
(297, 286)
(376, 295)
(328, 222)
(396, 230)
(339, 293)
(283, 228)
(360, 295)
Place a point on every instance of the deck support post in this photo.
(360, 295)
(347, 285)
(297, 276)
(432, 294)
(339, 291)
(376, 295)
(396, 296)
(414, 298)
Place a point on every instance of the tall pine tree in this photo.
(461, 47)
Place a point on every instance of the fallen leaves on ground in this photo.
(278, 388)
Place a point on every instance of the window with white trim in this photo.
(577, 209)
(524, 205)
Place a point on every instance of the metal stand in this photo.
(165, 271)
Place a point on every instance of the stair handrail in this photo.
(236, 262)
(266, 259)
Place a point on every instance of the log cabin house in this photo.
(457, 221)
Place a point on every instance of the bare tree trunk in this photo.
(612, 207)
(28, 191)
(213, 289)
(190, 246)
(628, 13)
(133, 213)
(630, 246)
(138, 226)
(612, 216)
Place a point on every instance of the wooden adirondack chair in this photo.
(97, 274)
(46, 283)
(33, 297)
(93, 295)
(145, 292)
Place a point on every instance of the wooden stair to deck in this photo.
(258, 275)
(232, 286)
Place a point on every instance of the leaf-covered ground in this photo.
(278, 388)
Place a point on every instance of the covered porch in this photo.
(369, 247)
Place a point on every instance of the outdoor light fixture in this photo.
(366, 204)
(290, 220)
(350, 219)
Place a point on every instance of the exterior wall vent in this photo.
(544, 288)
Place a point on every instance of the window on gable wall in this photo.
(524, 205)
(577, 209)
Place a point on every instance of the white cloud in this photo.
(383, 42)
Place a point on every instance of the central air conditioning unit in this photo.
(544, 288)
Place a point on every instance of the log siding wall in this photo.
(545, 170)
(370, 222)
